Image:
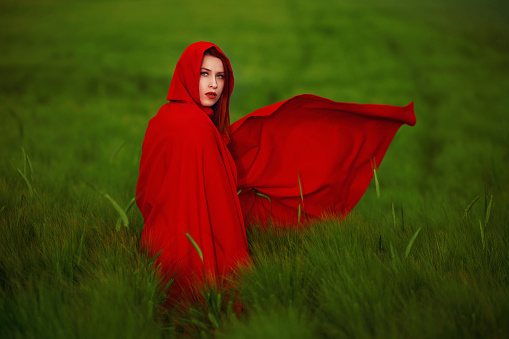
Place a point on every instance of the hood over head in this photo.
(186, 78)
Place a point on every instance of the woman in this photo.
(300, 159)
(187, 181)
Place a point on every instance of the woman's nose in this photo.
(213, 82)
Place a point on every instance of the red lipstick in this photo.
(211, 95)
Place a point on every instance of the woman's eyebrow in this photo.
(206, 69)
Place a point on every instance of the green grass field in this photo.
(427, 258)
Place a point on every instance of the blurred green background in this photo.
(79, 81)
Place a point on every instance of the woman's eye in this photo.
(220, 76)
(203, 74)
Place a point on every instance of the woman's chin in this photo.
(208, 102)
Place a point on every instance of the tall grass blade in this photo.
(23, 160)
(470, 206)
(153, 258)
(219, 300)
(488, 211)
(300, 188)
(168, 284)
(377, 184)
(30, 168)
(30, 189)
(126, 210)
(213, 320)
(120, 211)
(299, 211)
(411, 242)
(118, 224)
(26, 161)
(238, 192)
(482, 234)
(130, 204)
(263, 195)
(196, 247)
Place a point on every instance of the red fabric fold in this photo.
(330, 147)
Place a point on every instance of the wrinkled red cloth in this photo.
(310, 157)
(187, 184)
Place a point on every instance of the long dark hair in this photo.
(221, 117)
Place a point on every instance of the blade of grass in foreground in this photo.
(262, 195)
(470, 206)
(488, 211)
(377, 184)
(151, 260)
(30, 189)
(126, 210)
(299, 212)
(26, 161)
(482, 234)
(411, 242)
(120, 211)
(197, 248)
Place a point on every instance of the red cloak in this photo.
(188, 184)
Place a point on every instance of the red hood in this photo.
(184, 84)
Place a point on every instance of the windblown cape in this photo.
(310, 157)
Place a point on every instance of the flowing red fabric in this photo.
(310, 157)
(187, 184)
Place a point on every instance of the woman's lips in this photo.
(210, 95)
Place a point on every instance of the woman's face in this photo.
(211, 80)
